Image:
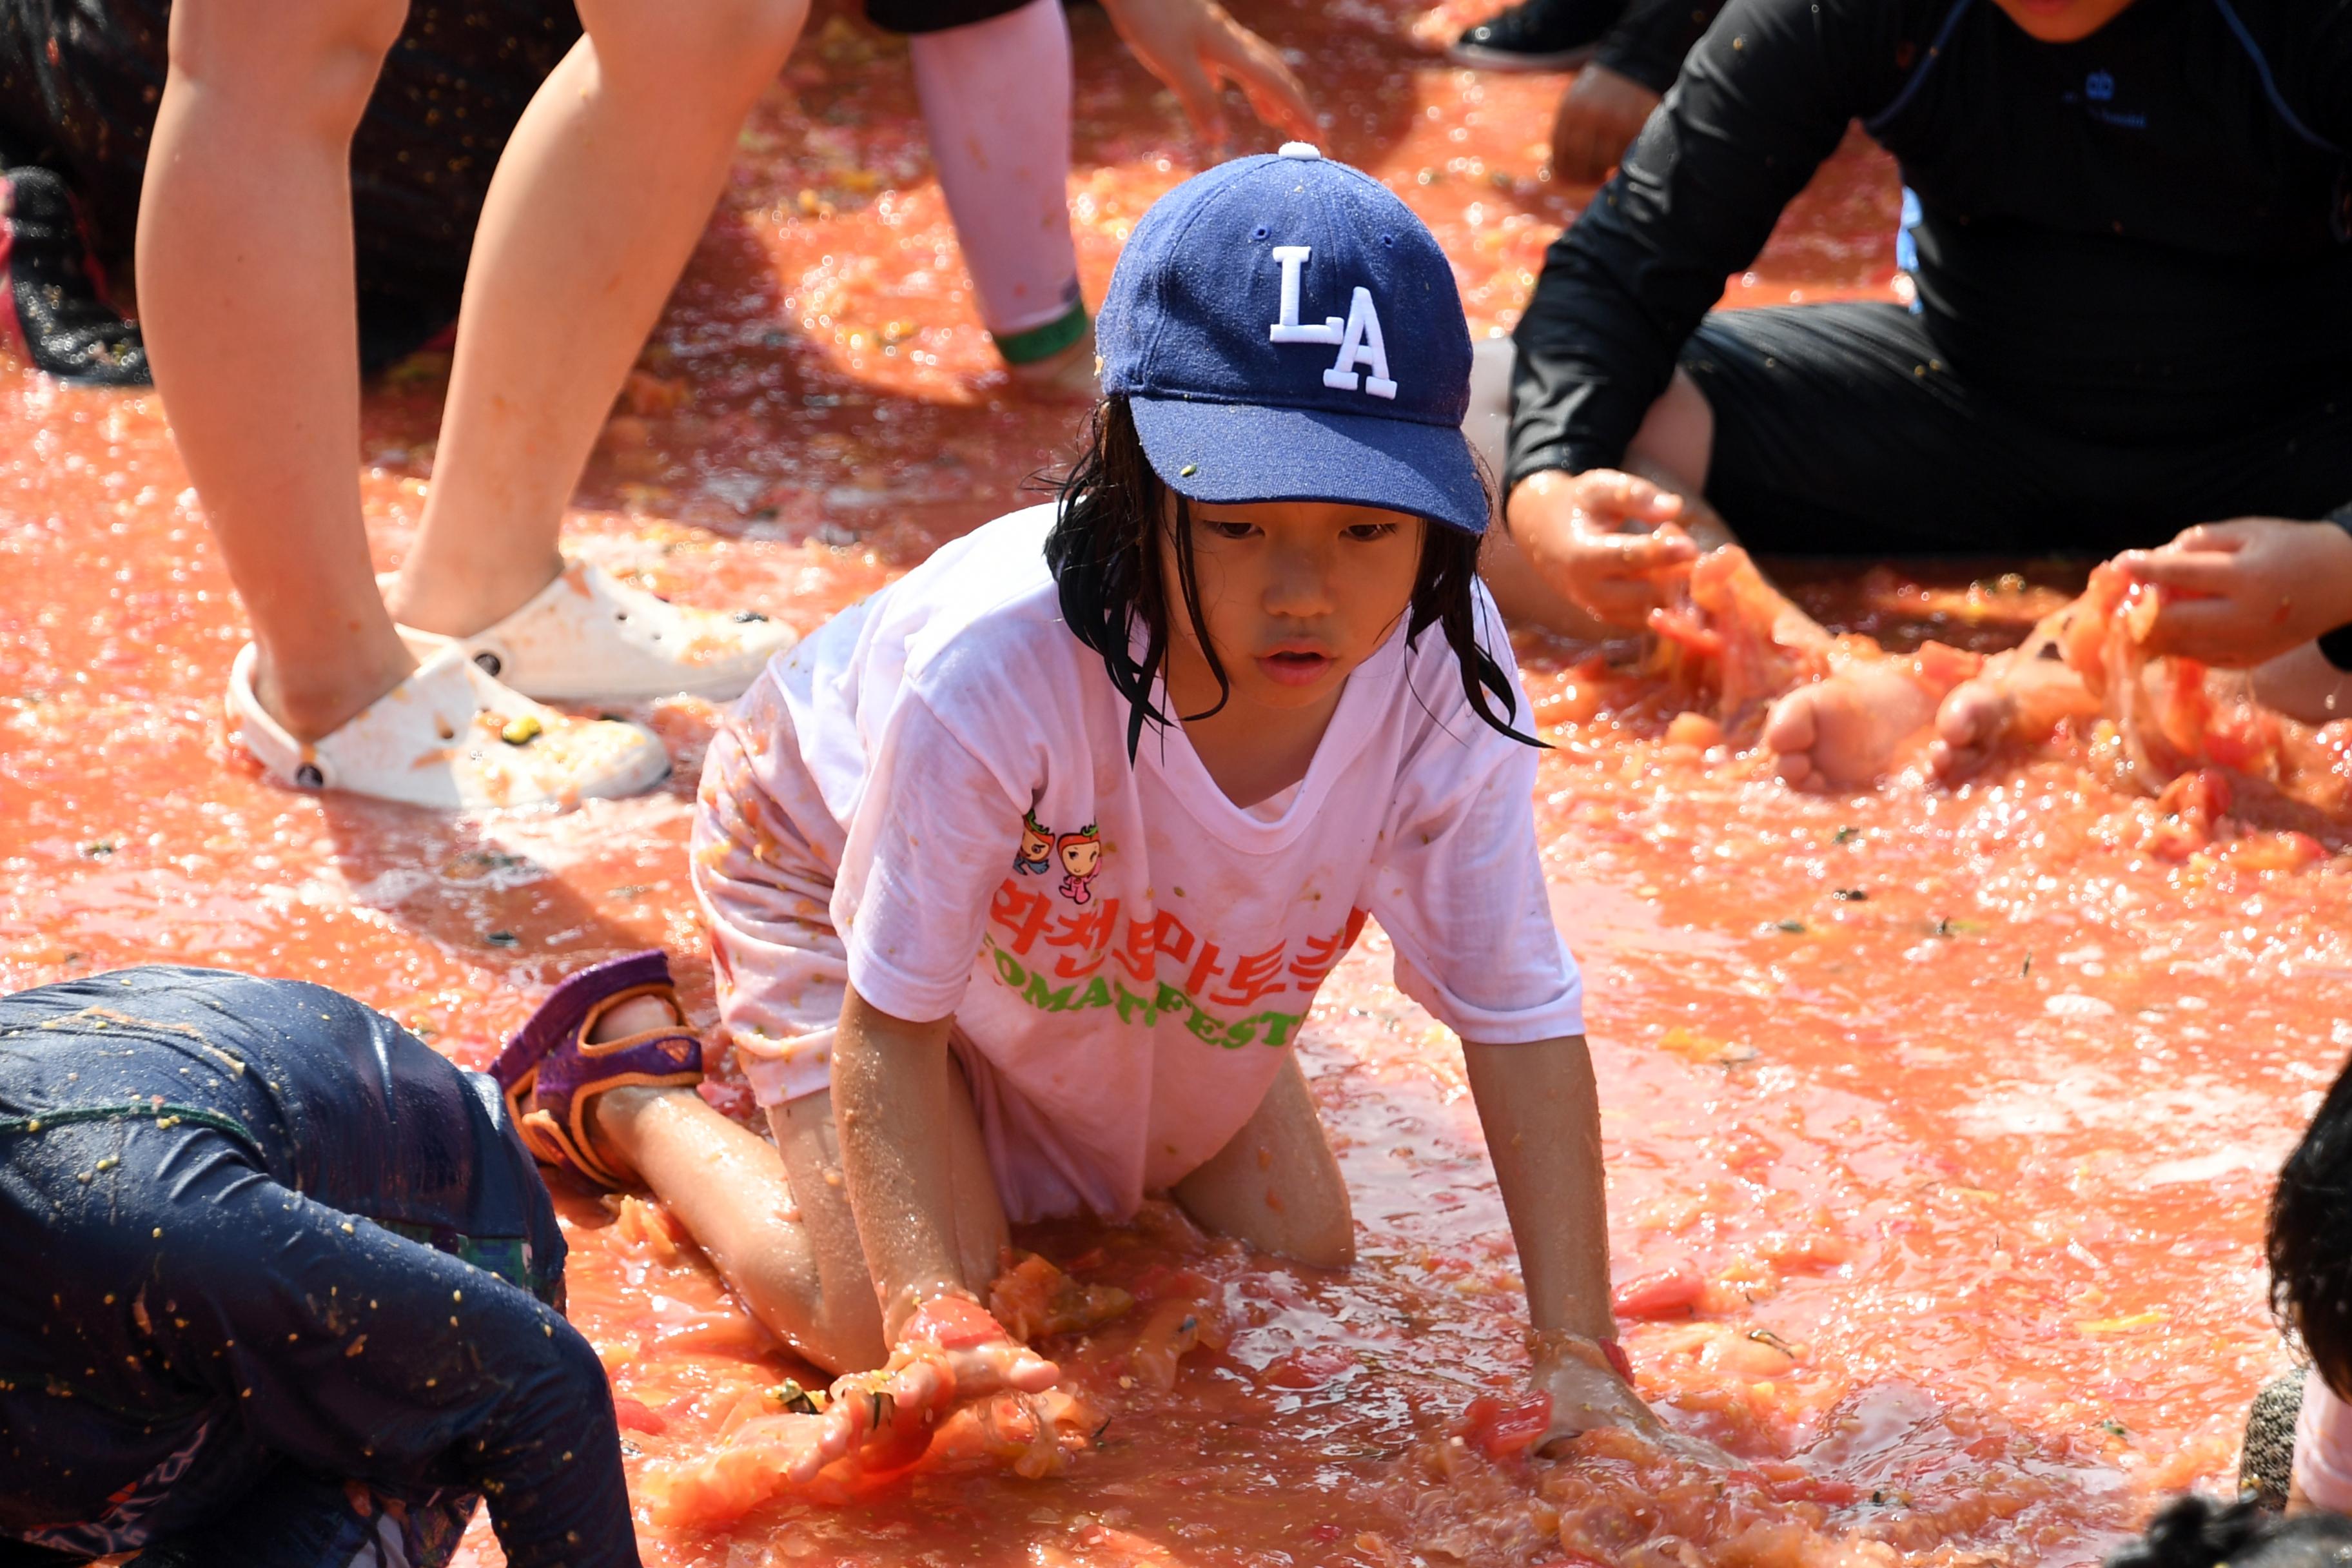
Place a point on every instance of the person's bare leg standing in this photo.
(599, 200)
(248, 307)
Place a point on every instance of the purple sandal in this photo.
(552, 1060)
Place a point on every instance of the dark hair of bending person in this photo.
(2198, 1533)
(2311, 1239)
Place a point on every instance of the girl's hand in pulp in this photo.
(948, 1354)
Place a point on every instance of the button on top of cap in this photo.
(1301, 149)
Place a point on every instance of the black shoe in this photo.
(69, 329)
(1538, 36)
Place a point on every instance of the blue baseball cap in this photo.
(1284, 328)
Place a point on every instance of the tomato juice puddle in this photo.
(1939, 1123)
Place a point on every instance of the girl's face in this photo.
(1296, 594)
(1080, 857)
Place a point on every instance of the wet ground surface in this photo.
(1957, 1107)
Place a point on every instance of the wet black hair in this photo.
(2310, 1240)
(2198, 1533)
(1104, 552)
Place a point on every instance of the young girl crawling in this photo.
(1022, 875)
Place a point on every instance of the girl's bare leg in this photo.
(248, 307)
(597, 203)
(1277, 1185)
(780, 1229)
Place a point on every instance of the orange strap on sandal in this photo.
(552, 1072)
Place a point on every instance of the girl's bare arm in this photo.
(891, 1103)
(1542, 1117)
(893, 1112)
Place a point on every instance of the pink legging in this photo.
(996, 99)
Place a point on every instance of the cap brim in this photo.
(1238, 453)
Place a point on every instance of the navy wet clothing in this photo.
(253, 1203)
(2133, 241)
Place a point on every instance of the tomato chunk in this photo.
(1668, 1293)
(634, 1416)
(1497, 1428)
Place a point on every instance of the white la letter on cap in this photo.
(1288, 330)
(1362, 346)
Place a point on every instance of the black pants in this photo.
(913, 16)
(1840, 431)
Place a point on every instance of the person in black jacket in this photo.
(2133, 306)
(286, 1292)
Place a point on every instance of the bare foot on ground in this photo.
(2022, 695)
(1841, 732)
(2024, 700)
(1975, 718)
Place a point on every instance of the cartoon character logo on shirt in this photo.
(1036, 853)
(1081, 855)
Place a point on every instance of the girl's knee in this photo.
(1325, 1235)
(1328, 1246)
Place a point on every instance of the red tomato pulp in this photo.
(1947, 1116)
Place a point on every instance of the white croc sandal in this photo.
(452, 738)
(589, 638)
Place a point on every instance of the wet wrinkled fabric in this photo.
(253, 1227)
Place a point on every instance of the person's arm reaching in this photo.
(1197, 49)
(2249, 590)
(891, 1104)
(1542, 1118)
(357, 1353)
(1459, 888)
(1611, 99)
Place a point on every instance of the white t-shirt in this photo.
(2323, 1446)
(1125, 952)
